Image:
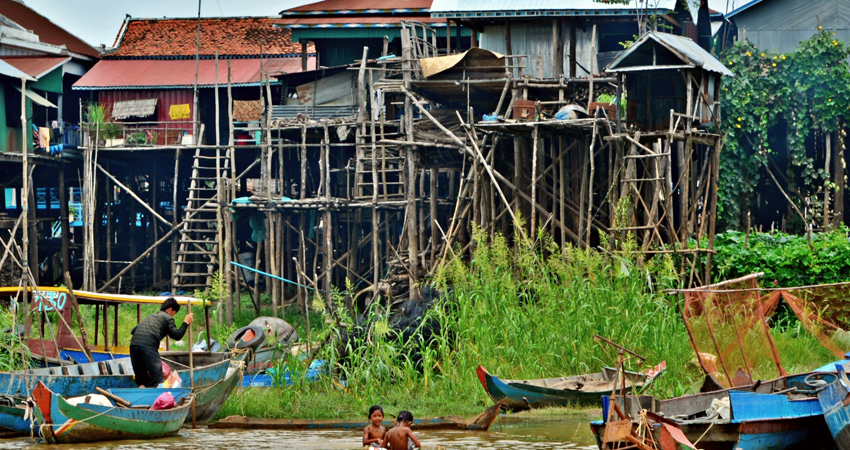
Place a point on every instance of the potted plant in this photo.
(99, 118)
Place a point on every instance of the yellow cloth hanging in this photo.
(177, 112)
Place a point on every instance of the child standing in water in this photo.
(400, 437)
(374, 433)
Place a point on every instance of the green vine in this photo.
(777, 101)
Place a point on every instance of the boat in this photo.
(64, 421)
(585, 389)
(67, 348)
(215, 377)
(777, 414)
(833, 402)
(12, 418)
(480, 422)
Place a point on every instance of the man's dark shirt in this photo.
(154, 327)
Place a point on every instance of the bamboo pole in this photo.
(534, 149)
(25, 188)
(131, 194)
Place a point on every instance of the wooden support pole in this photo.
(838, 171)
(535, 148)
(63, 217)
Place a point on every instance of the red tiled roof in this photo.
(360, 6)
(46, 30)
(36, 66)
(230, 36)
(179, 73)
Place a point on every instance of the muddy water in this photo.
(511, 432)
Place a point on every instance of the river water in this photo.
(508, 432)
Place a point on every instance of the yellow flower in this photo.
(738, 125)
(807, 72)
(748, 94)
(834, 42)
(783, 56)
(820, 27)
(829, 100)
(775, 57)
(774, 64)
(748, 54)
(739, 119)
(730, 63)
(762, 55)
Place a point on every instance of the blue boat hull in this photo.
(12, 420)
(836, 412)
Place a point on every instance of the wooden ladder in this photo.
(197, 256)
(390, 171)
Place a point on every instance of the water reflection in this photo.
(509, 432)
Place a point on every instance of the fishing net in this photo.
(729, 324)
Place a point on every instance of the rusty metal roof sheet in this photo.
(689, 54)
(46, 30)
(360, 7)
(180, 73)
(36, 66)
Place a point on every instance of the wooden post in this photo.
(712, 218)
(229, 274)
(572, 50)
(110, 194)
(175, 243)
(838, 179)
(304, 56)
(73, 300)
(592, 69)
(534, 149)
(435, 239)
(63, 216)
(25, 202)
(826, 168)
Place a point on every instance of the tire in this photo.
(239, 339)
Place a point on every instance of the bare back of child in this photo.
(374, 433)
(401, 437)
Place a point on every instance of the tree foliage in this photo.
(778, 101)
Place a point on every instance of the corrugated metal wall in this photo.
(535, 41)
(165, 98)
(780, 25)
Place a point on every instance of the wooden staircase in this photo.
(197, 255)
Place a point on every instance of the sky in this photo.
(98, 21)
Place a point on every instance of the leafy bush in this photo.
(785, 258)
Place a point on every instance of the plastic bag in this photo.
(172, 381)
(164, 401)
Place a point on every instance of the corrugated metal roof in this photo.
(742, 8)
(36, 66)
(355, 21)
(360, 7)
(531, 8)
(690, 53)
(171, 73)
(12, 71)
(46, 30)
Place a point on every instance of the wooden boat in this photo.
(775, 414)
(12, 420)
(562, 391)
(65, 422)
(215, 377)
(480, 422)
(833, 401)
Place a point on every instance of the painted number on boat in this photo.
(51, 301)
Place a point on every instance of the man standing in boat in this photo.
(144, 346)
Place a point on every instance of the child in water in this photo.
(374, 433)
(401, 437)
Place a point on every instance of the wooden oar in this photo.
(117, 399)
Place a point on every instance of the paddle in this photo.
(191, 367)
(120, 401)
